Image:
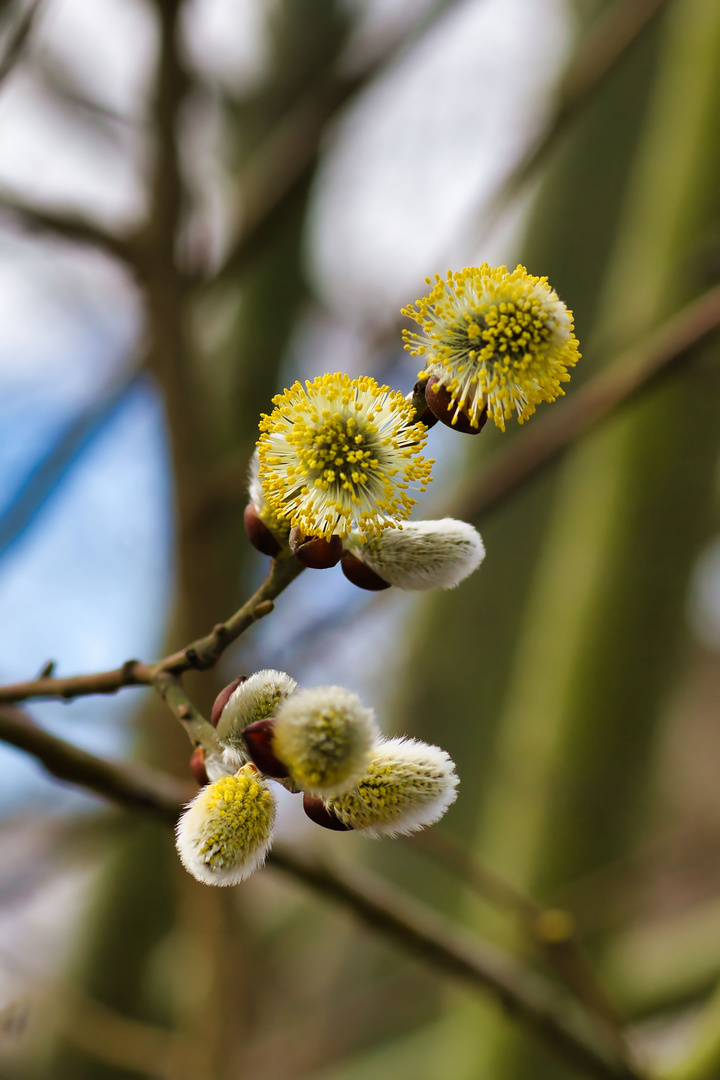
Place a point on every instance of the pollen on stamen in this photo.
(339, 454)
(495, 339)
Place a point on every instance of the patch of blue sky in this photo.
(90, 585)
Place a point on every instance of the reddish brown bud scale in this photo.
(259, 535)
(258, 739)
(423, 412)
(322, 815)
(222, 699)
(440, 402)
(197, 766)
(356, 571)
(316, 552)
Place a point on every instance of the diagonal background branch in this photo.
(18, 39)
(67, 225)
(631, 375)
(137, 788)
(526, 996)
(595, 59)
(46, 477)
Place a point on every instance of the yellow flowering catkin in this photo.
(341, 453)
(225, 832)
(495, 339)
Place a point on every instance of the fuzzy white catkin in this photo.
(324, 737)
(280, 529)
(256, 699)
(409, 785)
(225, 832)
(423, 554)
(255, 490)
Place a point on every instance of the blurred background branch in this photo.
(521, 992)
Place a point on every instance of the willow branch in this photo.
(198, 730)
(632, 374)
(525, 996)
(131, 673)
(200, 655)
(206, 651)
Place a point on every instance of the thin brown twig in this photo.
(67, 225)
(199, 731)
(207, 650)
(632, 374)
(199, 655)
(525, 995)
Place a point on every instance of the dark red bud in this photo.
(259, 535)
(423, 412)
(197, 766)
(321, 814)
(440, 402)
(222, 699)
(360, 574)
(317, 552)
(258, 742)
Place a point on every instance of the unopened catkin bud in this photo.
(258, 739)
(225, 832)
(422, 555)
(324, 736)
(423, 412)
(408, 785)
(360, 574)
(222, 699)
(265, 530)
(315, 552)
(197, 766)
(320, 813)
(257, 698)
(258, 533)
(443, 406)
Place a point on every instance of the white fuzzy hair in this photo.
(409, 785)
(324, 736)
(423, 554)
(256, 699)
(225, 833)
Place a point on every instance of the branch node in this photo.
(128, 671)
(263, 609)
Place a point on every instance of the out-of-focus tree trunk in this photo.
(204, 992)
